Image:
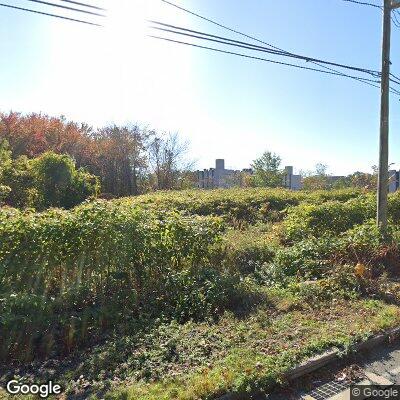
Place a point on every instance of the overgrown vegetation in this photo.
(72, 275)
(193, 294)
(49, 180)
(127, 160)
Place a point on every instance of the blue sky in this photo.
(226, 106)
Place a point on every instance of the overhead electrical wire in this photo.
(261, 59)
(83, 5)
(220, 25)
(393, 17)
(364, 3)
(228, 41)
(49, 14)
(395, 79)
(249, 46)
(66, 7)
(361, 80)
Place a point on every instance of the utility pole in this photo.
(383, 174)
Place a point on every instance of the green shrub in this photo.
(243, 251)
(249, 205)
(97, 265)
(320, 257)
(341, 283)
(394, 207)
(332, 217)
(59, 183)
(196, 294)
(4, 192)
(50, 180)
(308, 259)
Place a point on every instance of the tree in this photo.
(50, 180)
(167, 161)
(128, 160)
(120, 159)
(5, 163)
(34, 134)
(364, 180)
(59, 183)
(267, 171)
(317, 179)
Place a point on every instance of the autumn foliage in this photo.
(128, 160)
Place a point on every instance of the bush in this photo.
(100, 264)
(196, 294)
(394, 207)
(4, 192)
(59, 183)
(342, 283)
(50, 180)
(320, 257)
(244, 251)
(332, 217)
(238, 205)
(308, 259)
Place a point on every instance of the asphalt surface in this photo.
(384, 361)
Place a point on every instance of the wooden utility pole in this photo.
(383, 174)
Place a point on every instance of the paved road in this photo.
(384, 361)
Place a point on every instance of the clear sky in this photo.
(226, 106)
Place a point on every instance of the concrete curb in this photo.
(322, 360)
(326, 358)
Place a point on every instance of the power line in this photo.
(246, 45)
(364, 80)
(49, 15)
(250, 46)
(248, 36)
(395, 79)
(260, 59)
(393, 17)
(220, 25)
(83, 5)
(66, 7)
(363, 3)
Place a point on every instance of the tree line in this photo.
(40, 151)
(51, 162)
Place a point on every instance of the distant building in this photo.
(394, 180)
(291, 181)
(219, 177)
